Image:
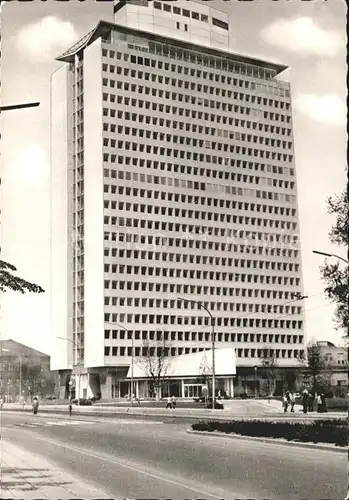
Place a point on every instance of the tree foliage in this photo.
(269, 371)
(317, 371)
(10, 282)
(155, 363)
(335, 276)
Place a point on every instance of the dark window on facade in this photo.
(221, 24)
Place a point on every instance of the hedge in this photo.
(334, 431)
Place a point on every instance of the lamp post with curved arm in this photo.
(213, 339)
(133, 354)
(330, 255)
(77, 364)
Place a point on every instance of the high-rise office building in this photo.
(173, 175)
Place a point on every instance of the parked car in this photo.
(82, 402)
(94, 398)
(50, 398)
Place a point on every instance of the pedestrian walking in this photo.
(169, 403)
(311, 401)
(1, 403)
(305, 399)
(35, 405)
(324, 405)
(174, 402)
(321, 404)
(285, 402)
(292, 401)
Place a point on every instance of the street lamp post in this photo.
(77, 364)
(133, 355)
(200, 304)
(12, 107)
(255, 381)
(330, 255)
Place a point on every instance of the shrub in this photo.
(324, 431)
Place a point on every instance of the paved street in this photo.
(131, 458)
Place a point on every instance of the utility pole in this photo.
(133, 354)
(213, 339)
(77, 364)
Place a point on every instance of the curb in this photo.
(313, 446)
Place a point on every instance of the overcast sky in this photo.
(309, 36)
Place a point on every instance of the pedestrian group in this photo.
(308, 398)
(171, 403)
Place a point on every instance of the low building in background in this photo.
(337, 360)
(24, 373)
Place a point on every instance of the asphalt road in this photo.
(134, 459)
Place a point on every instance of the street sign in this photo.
(204, 390)
(70, 382)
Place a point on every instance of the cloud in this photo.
(46, 38)
(327, 109)
(303, 36)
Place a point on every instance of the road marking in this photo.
(176, 481)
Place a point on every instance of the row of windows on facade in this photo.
(213, 189)
(11, 381)
(117, 155)
(165, 272)
(201, 260)
(189, 14)
(165, 243)
(248, 219)
(192, 86)
(189, 214)
(161, 336)
(176, 351)
(195, 142)
(227, 175)
(236, 249)
(176, 288)
(200, 275)
(187, 232)
(191, 230)
(192, 59)
(208, 172)
(164, 319)
(249, 308)
(223, 107)
(217, 132)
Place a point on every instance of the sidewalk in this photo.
(24, 475)
(180, 413)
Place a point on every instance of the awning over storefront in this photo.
(193, 365)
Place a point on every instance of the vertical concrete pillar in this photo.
(231, 387)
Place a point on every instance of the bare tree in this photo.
(205, 370)
(269, 371)
(155, 363)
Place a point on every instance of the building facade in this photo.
(24, 373)
(336, 359)
(173, 175)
